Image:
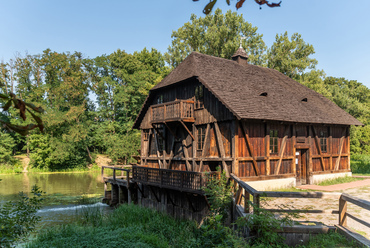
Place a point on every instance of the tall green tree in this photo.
(121, 82)
(291, 57)
(216, 34)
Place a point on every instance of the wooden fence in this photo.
(189, 181)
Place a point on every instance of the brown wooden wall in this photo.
(240, 146)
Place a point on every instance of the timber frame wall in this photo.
(171, 140)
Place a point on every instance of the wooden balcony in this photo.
(173, 111)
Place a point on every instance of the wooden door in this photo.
(301, 166)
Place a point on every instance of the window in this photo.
(324, 141)
(146, 134)
(160, 99)
(274, 141)
(201, 137)
(160, 137)
(199, 96)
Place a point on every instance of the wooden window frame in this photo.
(201, 135)
(145, 134)
(199, 96)
(324, 141)
(160, 99)
(274, 141)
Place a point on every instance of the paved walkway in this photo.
(337, 187)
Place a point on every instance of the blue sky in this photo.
(339, 30)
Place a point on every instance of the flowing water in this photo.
(66, 193)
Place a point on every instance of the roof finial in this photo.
(241, 39)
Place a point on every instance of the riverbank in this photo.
(22, 165)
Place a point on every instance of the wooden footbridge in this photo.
(180, 194)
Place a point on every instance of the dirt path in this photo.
(358, 189)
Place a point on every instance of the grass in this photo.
(340, 180)
(127, 226)
(331, 239)
(11, 168)
(134, 226)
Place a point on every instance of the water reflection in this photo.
(63, 193)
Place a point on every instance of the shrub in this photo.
(18, 218)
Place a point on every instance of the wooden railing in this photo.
(189, 181)
(114, 177)
(342, 202)
(179, 109)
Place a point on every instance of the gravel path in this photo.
(360, 189)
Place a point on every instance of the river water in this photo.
(66, 193)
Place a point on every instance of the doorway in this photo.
(301, 166)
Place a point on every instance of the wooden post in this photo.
(342, 212)
(114, 174)
(246, 201)
(256, 203)
(102, 174)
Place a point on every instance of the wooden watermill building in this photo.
(251, 121)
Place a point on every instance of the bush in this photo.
(360, 164)
(18, 218)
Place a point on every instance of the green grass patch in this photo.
(340, 180)
(360, 164)
(331, 239)
(11, 168)
(127, 226)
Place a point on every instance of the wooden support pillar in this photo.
(115, 194)
(106, 194)
(342, 212)
(129, 198)
(246, 202)
(121, 194)
(256, 203)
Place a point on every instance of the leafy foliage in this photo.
(291, 57)
(218, 35)
(18, 218)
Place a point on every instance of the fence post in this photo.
(246, 201)
(114, 174)
(102, 173)
(256, 203)
(342, 212)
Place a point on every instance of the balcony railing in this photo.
(173, 111)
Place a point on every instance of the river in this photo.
(66, 193)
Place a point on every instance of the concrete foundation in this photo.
(315, 179)
(268, 185)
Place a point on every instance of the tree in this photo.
(218, 35)
(121, 82)
(291, 57)
(208, 8)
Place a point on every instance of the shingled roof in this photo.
(254, 92)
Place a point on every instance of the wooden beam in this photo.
(156, 146)
(282, 149)
(221, 148)
(205, 145)
(317, 141)
(187, 129)
(247, 141)
(337, 163)
(186, 154)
